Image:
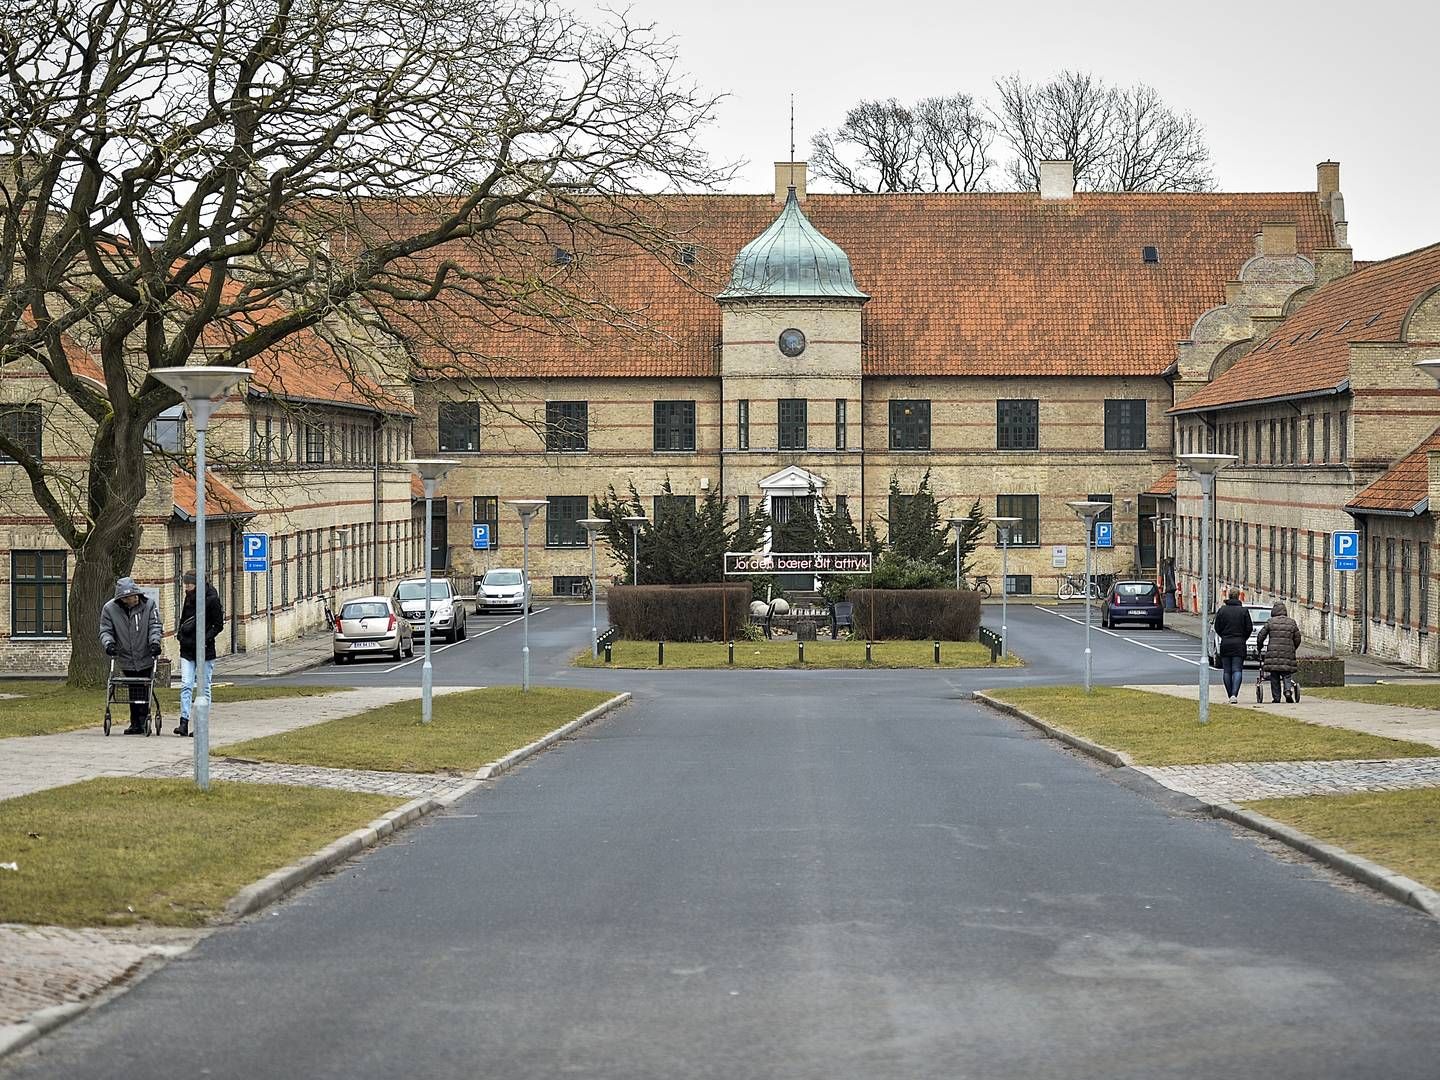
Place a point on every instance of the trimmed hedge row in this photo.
(916, 614)
(678, 612)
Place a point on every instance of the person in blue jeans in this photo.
(214, 623)
(1233, 626)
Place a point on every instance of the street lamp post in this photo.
(1205, 466)
(1003, 525)
(956, 523)
(593, 527)
(199, 387)
(1087, 511)
(527, 509)
(430, 471)
(635, 521)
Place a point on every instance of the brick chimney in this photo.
(786, 174)
(1276, 238)
(1057, 179)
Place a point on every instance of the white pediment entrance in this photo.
(792, 480)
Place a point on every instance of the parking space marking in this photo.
(1111, 633)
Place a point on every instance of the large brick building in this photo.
(1021, 347)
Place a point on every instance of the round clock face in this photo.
(792, 342)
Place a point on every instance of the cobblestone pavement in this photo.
(1242, 781)
(52, 965)
(404, 785)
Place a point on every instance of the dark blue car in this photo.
(1134, 602)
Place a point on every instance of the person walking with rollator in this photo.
(1233, 627)
(214, 623)
(130, 632)
(1278, 644)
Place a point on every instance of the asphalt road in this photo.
(797, 875)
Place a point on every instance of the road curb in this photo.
(510, 760)
(15, 1036)
(1382, 879)
(1103, 753)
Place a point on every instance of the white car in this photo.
(447, 609)
(1259, 616)
(503, 588)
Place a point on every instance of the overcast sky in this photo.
(1279, 86)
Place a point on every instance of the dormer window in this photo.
(1150, 253)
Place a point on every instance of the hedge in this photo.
(678, 612)
(916, 614)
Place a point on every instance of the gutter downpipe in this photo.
(375, 444)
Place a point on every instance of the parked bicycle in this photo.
(1072, 587)
(980, 583)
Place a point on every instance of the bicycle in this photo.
(980, 583)
(1072, 587)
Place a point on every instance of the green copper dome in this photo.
(792, 259)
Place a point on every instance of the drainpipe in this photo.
(375, 445)
(1363, 592)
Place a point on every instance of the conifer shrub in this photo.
(679, 612)
(916, 614)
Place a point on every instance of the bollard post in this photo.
(661, 654)
(937, 652)
(731, 659)
(802, 651)
(867, 652)
(607, 652)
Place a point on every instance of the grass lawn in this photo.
(119, 850)
(44, 707)
(1156, 729)
(1415, 695)
(768, 655)
(467, 730)
(1398, 829)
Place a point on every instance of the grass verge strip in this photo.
(1157, 729)
(775, 655)
(1411, 695)
(118, 850)
(47, 708)
(467, 730)
(1398, 829)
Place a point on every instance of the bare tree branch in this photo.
(940, 144)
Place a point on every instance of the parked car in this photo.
(1259, 616)
(447, 607)
(501, 588)
(372, 626)
(1133, 601)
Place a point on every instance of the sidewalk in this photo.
(286, 658)
(36, 762)
(1355, 663)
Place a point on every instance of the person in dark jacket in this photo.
(214, 623)
(1233, 626)
(1278, 643)
(130, 631)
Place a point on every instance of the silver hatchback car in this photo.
(371, 626)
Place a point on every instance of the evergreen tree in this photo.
(684, 543)
(968, 537)
(916, 530)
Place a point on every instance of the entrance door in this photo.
(439, 537)
(795, 529)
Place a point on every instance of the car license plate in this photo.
(1139, 611)
(364, 644)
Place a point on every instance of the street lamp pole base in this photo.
(525, 653)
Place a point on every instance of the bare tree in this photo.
(1119, 139)
(185, 176)
(939, 144)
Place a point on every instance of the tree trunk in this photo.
(107, 555)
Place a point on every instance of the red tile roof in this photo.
(1163, 487)
(417, 488)
(961, 284)
(220, 499)
(1310, 351)
(1404, 488)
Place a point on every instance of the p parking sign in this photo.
(1104, 534)
(480, 537)
(255, 550)
(1345, 551)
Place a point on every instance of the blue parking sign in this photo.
(255, 550)
(480, 537)
(1345, 545)
(1104, 534)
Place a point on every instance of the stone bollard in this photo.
(805, 630)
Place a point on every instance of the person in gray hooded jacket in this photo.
(130, 631)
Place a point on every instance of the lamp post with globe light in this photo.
(527, 509)
(1087, 511)
(1003, 525)
(1205, 466)
(199, 387)
(431, 471)
(635, 522)
(593, 528)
